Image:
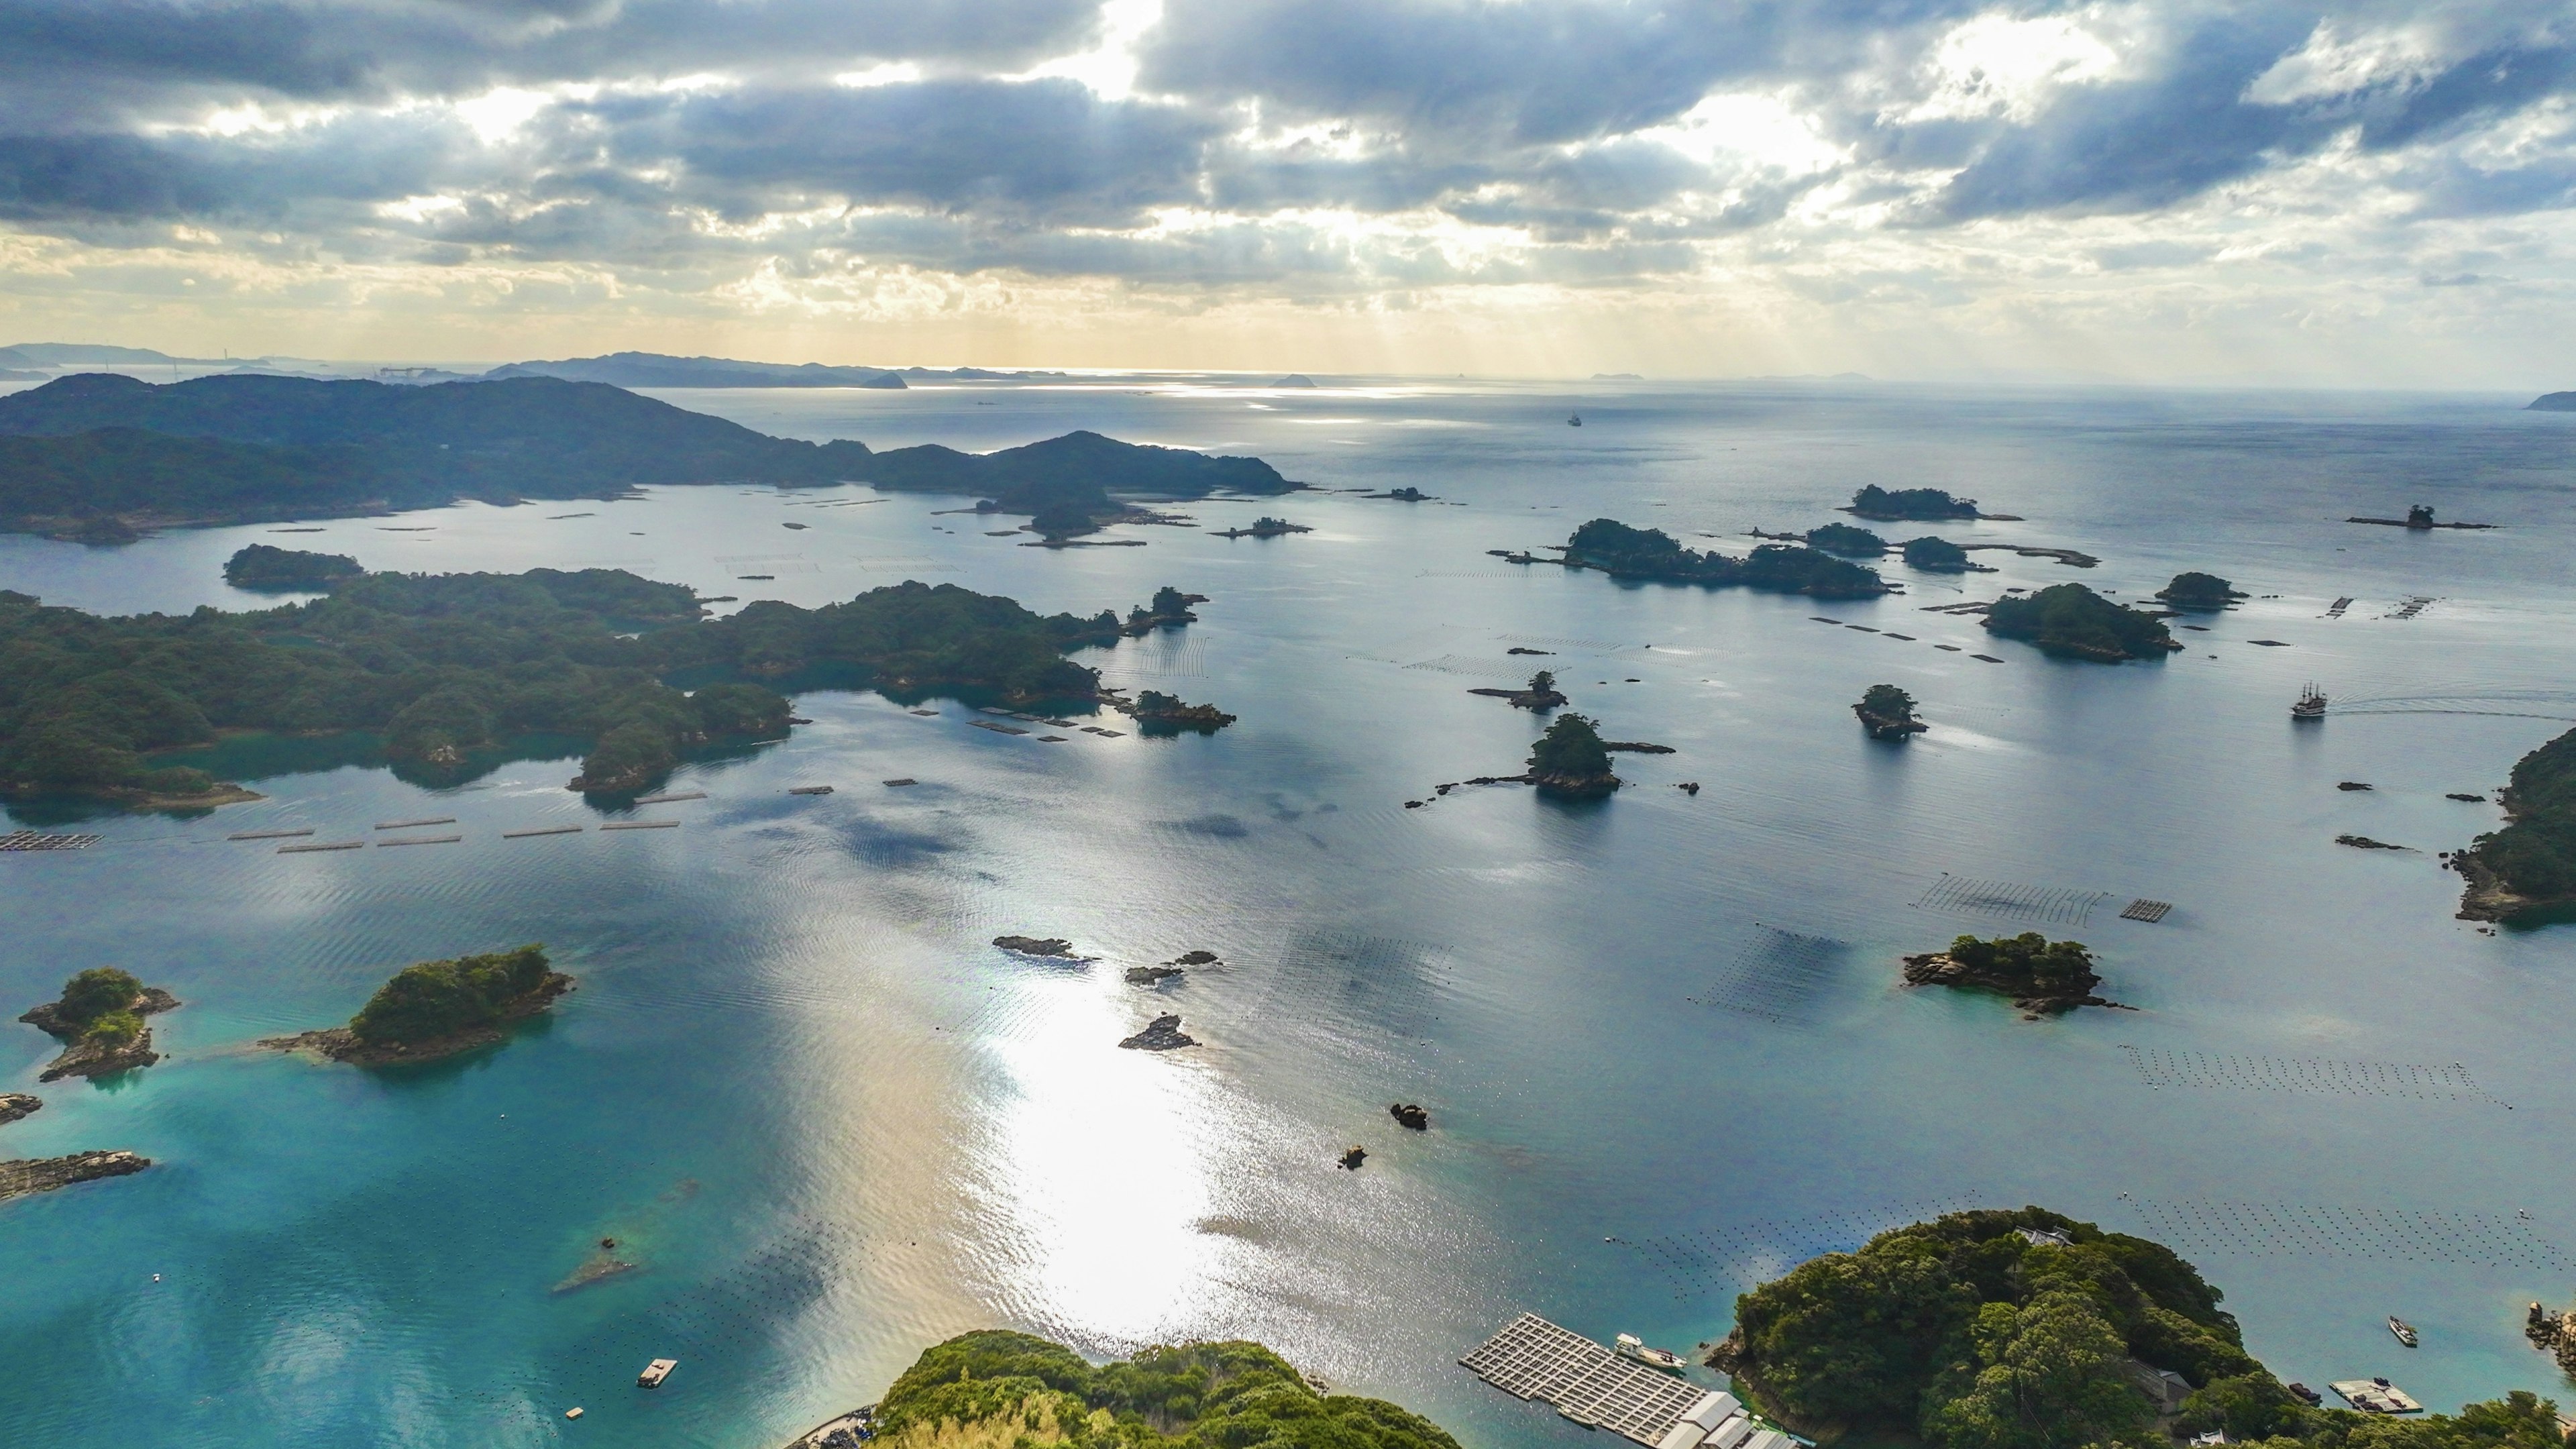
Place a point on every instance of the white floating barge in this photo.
(2376, 1396)
(1535, 1359)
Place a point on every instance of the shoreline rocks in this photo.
(45, 1174)
(14, 1105)
(1940, 968)
(1163, 1034)
(1052, 947)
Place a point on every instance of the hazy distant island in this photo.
(2073, 621)
(655, 369)
(2043, 977)
(2193, 590)
(1939, 556)
(99, 1021)
(2553, 402)
(1000, 1389)
(1166, 714)
(2028, 1329)
(1887, 712)
(2529, 866)
(1651, 554)
(1571, 760)
(102, 457)
(1169, 609)
(1916, 504)
(265, 566)
(439, 1008)
(1541, 695)
(454, 670)
(1263, 527)
(1846, 541)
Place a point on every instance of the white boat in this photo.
(1631, 1346)
(2404, 1330)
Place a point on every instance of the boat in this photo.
(1631, 1346)
(2306, 1395)
(2311, 705)
(2404, 1330)
(1574, 420)
(654, 1372)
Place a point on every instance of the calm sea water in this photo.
(1661, 1038)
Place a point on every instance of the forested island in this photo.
(99, 1021)
(439, 1008)
(1846, 541)
(1649, 553)
(1166, 714)
(265, 566)
(2528, 868)
(1009, 1389)
(1910, 504)
(1887, 713)
(2028, 1329)
(102, 457)
(453, 669)
(2194, 590)
(2073, 621)
(2043, 977)
(1570, 759)
(1938, 556)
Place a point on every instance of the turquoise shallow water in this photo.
(1660, 1037)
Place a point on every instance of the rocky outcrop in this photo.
(48, 1018)
(1531, 699)
(45, 1174)
(1586, 786)
(1169, 970)
(1169, 712)
(1055, 946)
(340, 1044)
(85, 1056)
(14, 1105)
(1409, 1116)
(1353, 1156)
(1162, 1035)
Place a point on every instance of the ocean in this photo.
(1662, 1038)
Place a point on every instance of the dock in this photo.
(2376, 1396)
(1535, 1359)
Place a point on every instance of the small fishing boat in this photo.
(2404, 1330)
(2311, 705)
(1574, 420)
(1631, 1346)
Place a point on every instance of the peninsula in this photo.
(1651, 554)
(1933, 1332)
(1000, 1388)
(2043, 977)
(99, 1021)
(1571, 760)
(458, 672)
(2073, 621)
(106, 457)
(439, 1008)
(2528, 867)
(2552, 402)
(1887, 713)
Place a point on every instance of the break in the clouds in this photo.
(1886, 182)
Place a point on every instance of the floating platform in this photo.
(37, 840)
(414, 824)
(2146, 910)
(670, 799)
(419, 840)
(809, 790)
(999, 729)
(267, 834)
(641, 825)
(1535, 1359)
(2376, 1396)
(325, 845)
(541, 830)
(654, 1372)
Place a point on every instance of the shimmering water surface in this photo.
(1661, 1038)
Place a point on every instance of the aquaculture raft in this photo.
(32, 840)
(1535, 1359)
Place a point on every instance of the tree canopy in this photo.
(2534, 856)
(1570, 749)
(441, 998)
(1650, 553)
(1873, 501)
(1935, 555)
(1843, 538)
(96, 992)
(2072, 620)
(264, 566)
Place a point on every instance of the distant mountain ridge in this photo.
(102, 455)
(2553, 402)
(655, 369)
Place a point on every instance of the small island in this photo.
(2199, 591)
(1844, 540)
(2043, 977)
(1940, 556)
(1163, 713)
(1887, 712)
(2028, 1329)
(1163, 1034)
(438, 1009)
(1406, 494)
(2072, 621)
(1263, 527)
(1170, 609)
(1910, 505)
(263, 566)
(2527, 868)
(1540, 696)
(99, 1020)
(1050, 946)
(1570, 760)
(1651, 554)
(45, 1174)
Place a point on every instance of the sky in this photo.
(2166, 191)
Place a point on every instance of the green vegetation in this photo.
(451, 668)
(1935, 555)
(438, 999)
(1570, 757)
(97, 993)
(1168, 714)
(261, 566)
(1650, 553)
(1910, 503)
(1887, 712)
(1842, 538)
(113, 1029)
(2530, 864)
(1000, 1390)
(101, 453)
(1974, 1336)
(2029, 964)
(2072, 620)
(2199, 591)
